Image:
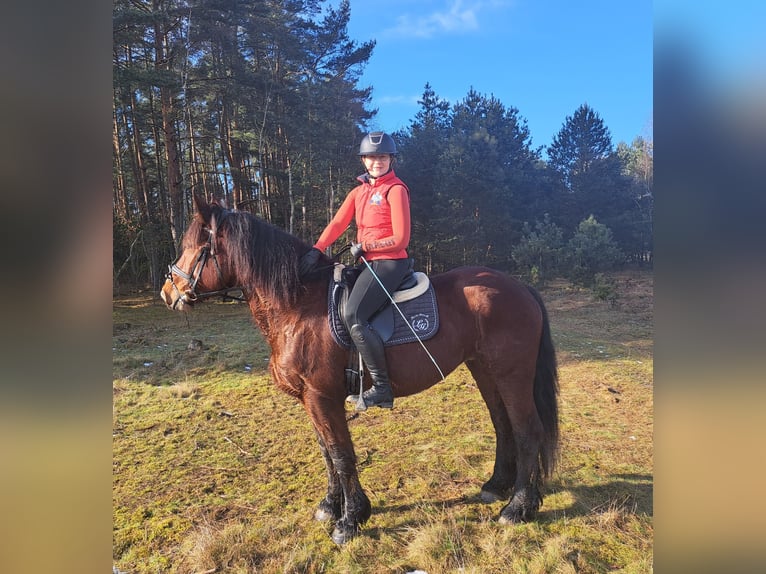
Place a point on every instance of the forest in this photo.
(260, 104)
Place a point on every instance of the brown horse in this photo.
(494, 324)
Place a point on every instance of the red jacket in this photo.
(382, 213)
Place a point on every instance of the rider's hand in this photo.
(356, 251)
(308, 261)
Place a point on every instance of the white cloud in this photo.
(406, 100)
(458, 18)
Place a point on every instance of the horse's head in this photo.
(202, 270)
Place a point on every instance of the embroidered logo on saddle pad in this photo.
(417, 304)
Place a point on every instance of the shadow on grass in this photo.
(628, 493)
(631, 493)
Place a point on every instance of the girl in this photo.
(381, 207)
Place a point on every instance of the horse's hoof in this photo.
(511, 518)
(515, 515)
(342, 535)
(327, 511)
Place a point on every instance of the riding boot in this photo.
(370, 347)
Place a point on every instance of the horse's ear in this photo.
(203, 210)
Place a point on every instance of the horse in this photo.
(492, 322)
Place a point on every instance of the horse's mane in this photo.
(265, 257)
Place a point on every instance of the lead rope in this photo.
(430, 356)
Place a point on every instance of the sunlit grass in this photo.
(215, 470)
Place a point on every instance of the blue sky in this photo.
(543, 57)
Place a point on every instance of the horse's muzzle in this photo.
(173, 297)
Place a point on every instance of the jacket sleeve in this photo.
(399, 200)
(339, 223)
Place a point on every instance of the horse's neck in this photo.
(276, 319)
(269, 315)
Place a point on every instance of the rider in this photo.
(381, 207)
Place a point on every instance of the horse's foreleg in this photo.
(331, 507)
(346, 501)
(357, 508)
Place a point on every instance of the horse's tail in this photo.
(546, 393)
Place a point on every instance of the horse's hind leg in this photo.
(500, 484)
(528, 436)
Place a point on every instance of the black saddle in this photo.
(415, 299)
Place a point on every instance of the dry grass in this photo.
(217, 471)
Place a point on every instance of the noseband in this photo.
(207, 252)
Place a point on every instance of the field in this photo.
(216, 471)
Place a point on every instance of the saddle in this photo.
(414, 297)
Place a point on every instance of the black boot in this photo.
(370, 347)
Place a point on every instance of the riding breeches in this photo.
(367, 297)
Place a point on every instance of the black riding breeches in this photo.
(367, 297)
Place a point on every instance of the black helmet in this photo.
(375, 143)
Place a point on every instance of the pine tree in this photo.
(591, 176)
(422, 148)
(583, 141)
(539, 252)
(253, 102)
(638, 164)
(592, 250)
(487, 162)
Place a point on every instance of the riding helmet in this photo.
(375, 143)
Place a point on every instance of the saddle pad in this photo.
(421, 312)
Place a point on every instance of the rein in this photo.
(193, 276)
(335, 258)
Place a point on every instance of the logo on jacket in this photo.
(376, 199)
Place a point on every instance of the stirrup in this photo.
(359, 406)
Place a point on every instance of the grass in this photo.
(215, 470)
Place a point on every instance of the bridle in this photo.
(193, 276)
